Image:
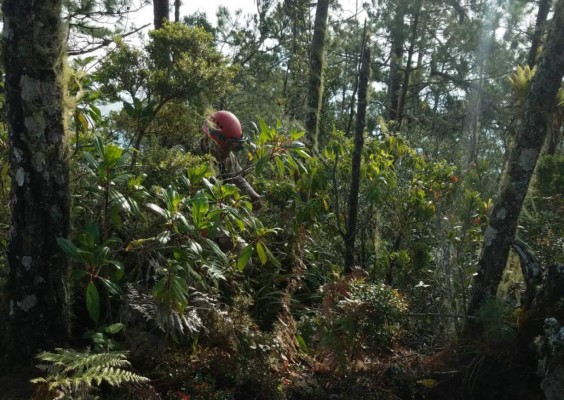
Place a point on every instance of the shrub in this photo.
(357, 317)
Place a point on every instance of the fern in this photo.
(176, 324)
(77, 373)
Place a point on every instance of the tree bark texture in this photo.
(317, 64)
(161, 12)
(350, 235)
(395, 78)
(34, 49)
(544, 8)
(521, 162)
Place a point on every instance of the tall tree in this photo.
(397, 34)
(317, 65)
(350, 235)
(33, 60)
(542, 15)
(408, 67)
(521, 162)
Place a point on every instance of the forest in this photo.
(399, 233)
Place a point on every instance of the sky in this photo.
(209, 7)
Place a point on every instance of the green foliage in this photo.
(84, 96)
(544, 210)
(113, 189)
(184, 64)
(550, 176)
(103, 338)
(178, 65)
(75, 374)
(94, 266)
(520, 82)
(498, 321)
(357, 317)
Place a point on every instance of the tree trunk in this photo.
(544, 8)
(406, 75)
(521, 162)
(33, 58)
(350, 235)
(317, 65)
(160, 12)
(177, 4)
(396, 55)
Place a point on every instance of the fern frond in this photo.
(71, 371)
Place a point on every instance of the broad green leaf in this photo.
(158, 288)
(99, 146)
(113, 154)
(93, 302)
(82, 121)
(70, 249)
(244, 257)
(91, 229)
(295, 135)
(112, 287)
(78, 274)
(261, 253)
(100, 254)
(216, 250)
(159, 210)
(195, 247)
(119, 199)
(114, 328)
(302, 344)
(200, 207)
(129, 109)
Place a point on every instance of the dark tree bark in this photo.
(521, 162)
(33, 59)
(396, 55)
(161, 12)
(177, 4)
(350, 235)
(544, 8)
(554, 136)
(317, 65)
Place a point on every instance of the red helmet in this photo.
(225, 128)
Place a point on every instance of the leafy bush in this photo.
(357, 316)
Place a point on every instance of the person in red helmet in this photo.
(226, 134)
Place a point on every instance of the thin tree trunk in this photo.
(350, 235)
(396, 55)
(177, 4)
(403, 97)
(353, 98)
(36, 289)
(521, 162)
(315, 95)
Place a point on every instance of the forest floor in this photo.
(455, 373)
